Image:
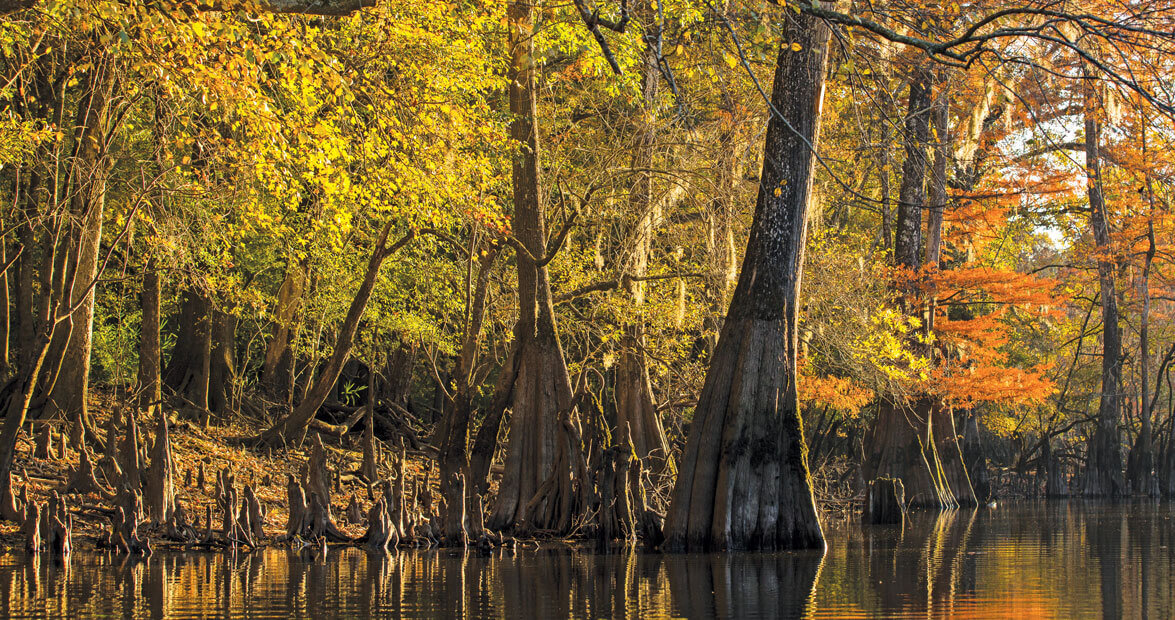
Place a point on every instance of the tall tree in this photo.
(636, 413)
(541, 387)
(67, 391)
(744, 480)
(914, 439)
(1103, 473)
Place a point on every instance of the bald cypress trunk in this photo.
(1103, 473)
(1142, 476)
(222, 371)
(457, 484)
(187, 372)
(277, 372)
(916, 441)
(883, 174)
(744, 481)
(912, 193)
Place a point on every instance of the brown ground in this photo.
(190, 444)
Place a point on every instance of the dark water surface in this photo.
(1027, 560)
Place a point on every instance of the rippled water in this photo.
(1030, 560)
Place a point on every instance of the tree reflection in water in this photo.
(1057, 559)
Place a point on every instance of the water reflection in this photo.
(1033, 560)
(745, 585)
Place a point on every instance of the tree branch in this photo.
(591, 19)
(608, 285)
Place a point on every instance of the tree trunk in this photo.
(222, 373)
(542, 386)
(885, 502)
(904, 445)
(485, 444)
(1142, 478)
(5, 305)
(1103, 474)
(975, 458)
(159, 487)
(456, 482)
(399, 365)
(150, 383)
(277, 372)
(744, 481)
(188, 370)
(25, 325)
(89, 171)
(937, 194)
(1055, 484)
(883, 181)
(916, 441)
(15, 398)
(912, 193)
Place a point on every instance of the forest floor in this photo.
(217, 448)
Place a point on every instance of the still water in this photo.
(1025, 560)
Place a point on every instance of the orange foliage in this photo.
(843, 395)
(973, 365)
(995, 384)
(1000, 286)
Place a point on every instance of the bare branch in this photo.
(591, 19)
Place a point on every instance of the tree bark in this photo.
(916, 441)
(454, 447)
(160, 487)
(15, 398)
(485, 444)
(25, 325)
(5, 304)
(883, 181)
(912, 193)
(885, 502)
(222, 372)
(937, 194)
(1141, 477)
(188, 370)
(1103, 474)
(744, 481)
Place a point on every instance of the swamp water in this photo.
(1020, 560)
